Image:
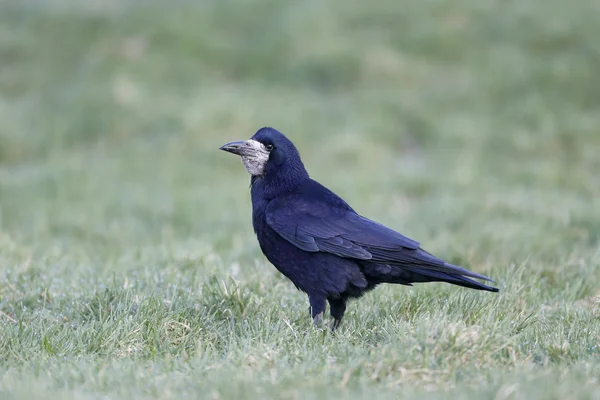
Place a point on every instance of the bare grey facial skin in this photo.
(256, 161)
(254, 155)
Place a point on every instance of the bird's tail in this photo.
(455, 279)
(406, 274)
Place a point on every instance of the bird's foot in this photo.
(317, 319)
(335, 324)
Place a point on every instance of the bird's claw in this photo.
(317, 319)
(335, 324)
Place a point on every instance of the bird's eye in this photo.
(269, 147)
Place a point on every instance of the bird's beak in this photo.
(239, 147)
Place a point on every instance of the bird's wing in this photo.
(316, 226)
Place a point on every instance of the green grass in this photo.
(128, 265)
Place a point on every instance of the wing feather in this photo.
(338, 231)
(315, 226)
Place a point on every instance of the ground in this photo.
(128, 265)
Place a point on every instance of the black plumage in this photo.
(319, 242)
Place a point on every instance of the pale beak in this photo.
(240, 147)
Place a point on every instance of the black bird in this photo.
(319, 242)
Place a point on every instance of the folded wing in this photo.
(316, 226)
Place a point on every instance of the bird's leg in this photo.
(338, 308)
(317, 308)
(335, 324)
(317, 319)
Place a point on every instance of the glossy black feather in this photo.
(324, 247)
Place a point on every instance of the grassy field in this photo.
(128, 265)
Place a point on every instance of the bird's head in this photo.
(269, 155)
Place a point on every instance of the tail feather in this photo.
(466, 272)
(411, 273)
(423, 259)
(455, 279)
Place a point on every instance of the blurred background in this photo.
(128, 264)
(473, 125)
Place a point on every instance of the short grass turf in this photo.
(128, 265)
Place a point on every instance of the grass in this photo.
(128, 265)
